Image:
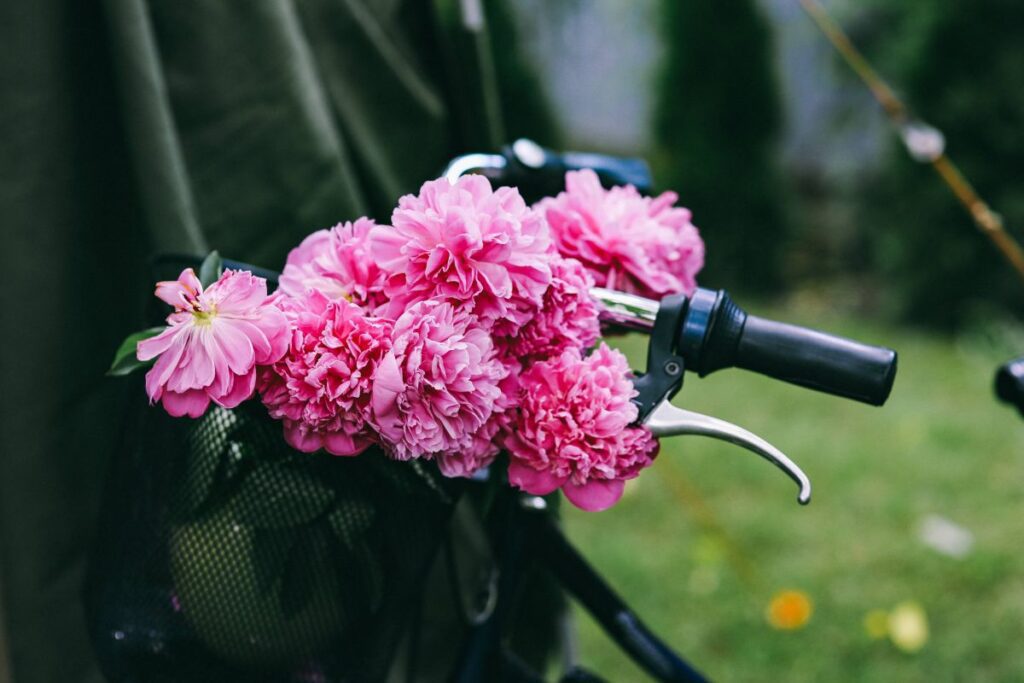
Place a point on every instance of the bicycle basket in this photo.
(225, 555)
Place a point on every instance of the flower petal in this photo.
(537, 482)
(387, 385)
(179, 293)
(240, 390)
(150, 348)
(340, 443)
(229, 347)
(300, 438)
(193, 403)
(595, 495)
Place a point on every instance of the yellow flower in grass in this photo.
(876, 623)
(789, 610)
(908, 626)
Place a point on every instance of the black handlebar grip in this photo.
(816, 360)
(1010, 383)
(718, 334)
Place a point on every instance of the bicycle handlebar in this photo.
(816, 360)
(716, 334)
(538, 172)
(1010, 383)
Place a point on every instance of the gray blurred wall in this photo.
(598, 59)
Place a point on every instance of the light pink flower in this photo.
(467, 244)
(568, 317)
(321, 389)
(214, 342)
(438, 387)
(627, 241)
(574, 431)
(338, 263)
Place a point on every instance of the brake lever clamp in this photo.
(663, 380)
(664, 376)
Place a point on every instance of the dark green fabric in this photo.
(129, 127)
(68, 262)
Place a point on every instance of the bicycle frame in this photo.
(1009, 384)
(526, 535)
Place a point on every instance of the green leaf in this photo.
(275, 496)
(306, 568)
(209, 447)
(360, 575)
(125, 360)
(211, 269)
(271, 550)
(197, 483)
(351, 519)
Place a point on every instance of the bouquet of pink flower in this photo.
(463, 329)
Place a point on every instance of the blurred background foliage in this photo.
(811, 207)
(526, 109)
(960, 65)
(793, 173)
(716, 127)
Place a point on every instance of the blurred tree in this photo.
(960, 65)
(716, 124)
(525, 107)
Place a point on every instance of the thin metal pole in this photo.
(987, 221)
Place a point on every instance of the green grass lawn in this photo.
(704, 538)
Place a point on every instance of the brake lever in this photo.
(664, 378)
(669, 420)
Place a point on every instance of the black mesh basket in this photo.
(225, 555)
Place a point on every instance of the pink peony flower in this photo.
(214, 342)
(574, 429)
(438, 387)
(627, 241)
(338, 263)
(568, 317)
(321, 389)
(480, 449)
(466, 244)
